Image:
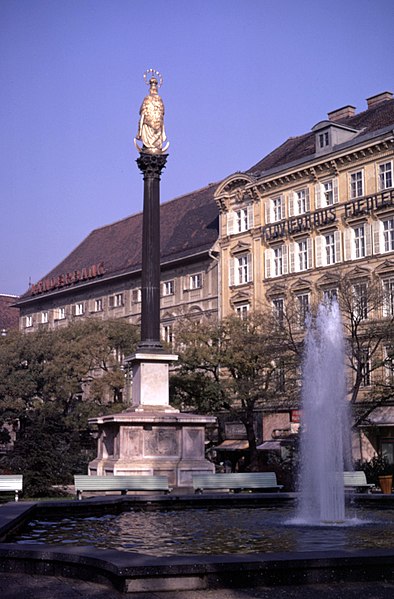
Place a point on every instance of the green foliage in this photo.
(375, 467)
(52, 382)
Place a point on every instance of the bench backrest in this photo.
(84, 482)
(354, 478)
(236, 480)
(11, 482)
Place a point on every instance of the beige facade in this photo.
(290, 230)
(188, 288)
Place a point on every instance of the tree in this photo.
(51, 382)
(369, 329)
(238, 365)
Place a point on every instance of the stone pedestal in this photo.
(152, 437)
(152, 442)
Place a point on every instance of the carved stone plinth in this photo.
(148, 442)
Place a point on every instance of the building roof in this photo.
(9, 315)
(189, 226)
(189, 223)
(303, 146)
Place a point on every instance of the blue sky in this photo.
(240, 77)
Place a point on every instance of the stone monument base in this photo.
(152, 441)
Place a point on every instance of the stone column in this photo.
(151, 166)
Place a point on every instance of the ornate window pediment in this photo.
(385, 268)
(239, 297)
(301, 285)
(241, 247)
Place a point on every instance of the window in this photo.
(240, 269)
(276, 261)
(385, 175)
(195, 281)
(278, 307)
(330, 248)
(365, 362)
(98, 305)
(28, 321)
(168, 287)
(168, 333)
(326, 193)
(303, 307)
(330, 295)
(388, 234)
(275, 209)
(116, 301)
(44, 317)
(388, 301)
(358, 242)
(356, 185)
(360, 297)
(79, 309)
(240, 220)
(301, 255)
(299, 202)
(388, 356)
(60, 313)
(324, 139)
(302, 201)
(242, 310)
(136, 295)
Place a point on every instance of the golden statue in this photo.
(151, 124)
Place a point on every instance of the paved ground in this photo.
(22, 586)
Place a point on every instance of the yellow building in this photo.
(319, 207)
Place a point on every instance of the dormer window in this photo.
(324, 139)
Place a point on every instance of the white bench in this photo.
(123, 483)
(236, 481)
(11, 482)
(356, 480)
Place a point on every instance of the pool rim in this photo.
(131, 572)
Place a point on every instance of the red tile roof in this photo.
(189, 225)
(296, 148)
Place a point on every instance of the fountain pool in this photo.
(213, 530)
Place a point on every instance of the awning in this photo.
(270, 446)
(233, 445)
(382, 416)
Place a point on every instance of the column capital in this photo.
(151, 165)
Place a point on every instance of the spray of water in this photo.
(325, 421)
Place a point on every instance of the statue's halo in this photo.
(153, 73)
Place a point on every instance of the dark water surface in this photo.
(214, 531)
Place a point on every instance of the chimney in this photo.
(342, 113)
(378, 99)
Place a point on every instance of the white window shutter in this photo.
(307, 201)
(335, 193)
(309, 252)
(368, 239)
(292, 251)
(231, 272)
(338, 244)
(249, 209)
(319, 244)
(283, 207)
(230, 223)
(349, 243)
(378, 241)
(268, 218)
(290, 201)
(268, 258)
(285, 259)
(318, 195)
(250, 272)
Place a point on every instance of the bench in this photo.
(356, 480)
(123, 483)
(11, 482)
(238, 481)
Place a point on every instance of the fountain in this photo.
(326, 423)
